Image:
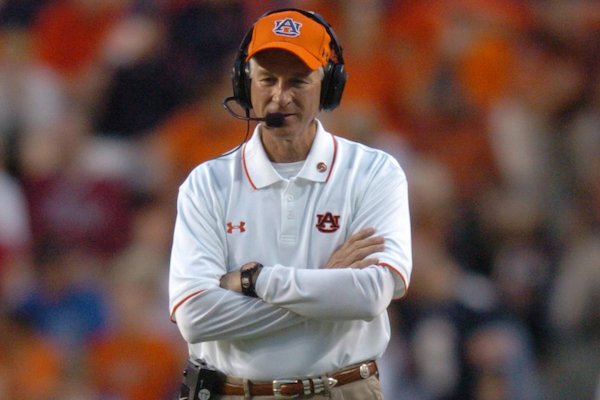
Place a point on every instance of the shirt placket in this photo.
(289, 214)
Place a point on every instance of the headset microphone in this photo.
(272, 120)
(275, 120)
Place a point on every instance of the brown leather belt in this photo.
(293, 388)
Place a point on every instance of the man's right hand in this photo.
(356, 249)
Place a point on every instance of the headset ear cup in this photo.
(241, 84)
(324, 101)
(333, 86)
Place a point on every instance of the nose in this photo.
(281, 94)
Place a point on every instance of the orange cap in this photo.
(294, 32)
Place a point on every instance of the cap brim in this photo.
(311, 61)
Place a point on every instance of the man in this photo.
(288, 250)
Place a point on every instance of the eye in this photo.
(298, 82)
(266, 80)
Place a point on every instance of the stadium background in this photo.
(491, 106)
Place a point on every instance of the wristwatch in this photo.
(249, 273)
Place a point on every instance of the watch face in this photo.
(245, 281)
(247, 277)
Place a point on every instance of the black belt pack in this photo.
(200, 381)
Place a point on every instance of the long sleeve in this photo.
(202, 310)
(332, 294)
(218, 314)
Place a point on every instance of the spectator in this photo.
(461, 343)
(136, 358)
(15, 235)
(30, 365)
(69, 38)
(195, 133)
(78, 190)
(142, 86)
(20, 13)
(31, 95)
(574, 313)
(65, 305)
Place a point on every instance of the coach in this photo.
(288, 250)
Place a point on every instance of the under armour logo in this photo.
(328, 222)
(241, 227)
(287, 27)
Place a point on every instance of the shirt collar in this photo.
(317, 166)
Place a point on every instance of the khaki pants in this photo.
(364, 389)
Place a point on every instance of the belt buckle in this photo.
(277, 388)
(364, 371)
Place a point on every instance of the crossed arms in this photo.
(348, 287)
(357, 282)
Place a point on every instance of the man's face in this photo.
(281, 82)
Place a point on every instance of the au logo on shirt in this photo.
(328, 222)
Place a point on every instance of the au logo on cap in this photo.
(287, 27)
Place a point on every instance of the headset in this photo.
(333, 82)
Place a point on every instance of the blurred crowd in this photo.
(491, 106)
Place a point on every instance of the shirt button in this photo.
(290, 197)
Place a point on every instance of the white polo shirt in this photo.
(307, 320)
